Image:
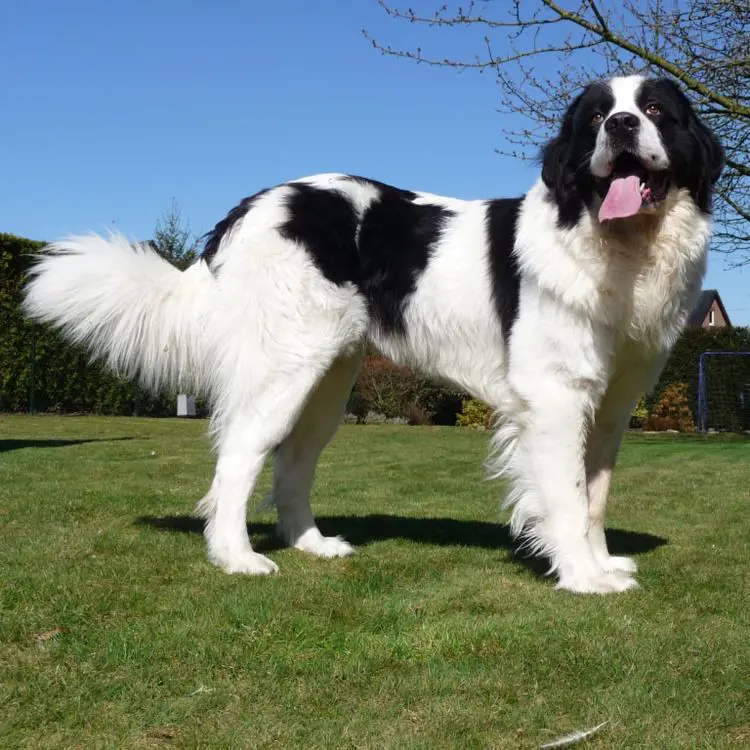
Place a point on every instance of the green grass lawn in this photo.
(116, 632)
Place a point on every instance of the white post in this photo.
(185, 405)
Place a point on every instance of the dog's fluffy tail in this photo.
(134, 310)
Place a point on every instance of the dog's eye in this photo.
(597, 119)
(653, 109)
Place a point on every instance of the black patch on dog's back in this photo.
(384, 258)
(502, 218)
(395, 242)
(224, 227)
(325, 223)
(408, 195)
(383, 252)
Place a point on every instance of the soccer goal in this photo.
(724, 391)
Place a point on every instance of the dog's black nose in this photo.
(622, 123)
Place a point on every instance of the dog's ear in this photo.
(558, 164)
(557, 172)
(709, 161)
(713, 151)
(706, 156)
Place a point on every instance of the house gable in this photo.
(709, 312)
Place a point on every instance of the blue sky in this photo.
(111, 110)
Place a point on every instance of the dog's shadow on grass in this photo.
(19, 443)
(364, 530)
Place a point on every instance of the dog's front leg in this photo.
(549, 489)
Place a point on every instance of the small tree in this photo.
(173, 238)
(672, 411)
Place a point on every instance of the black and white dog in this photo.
(558, 309)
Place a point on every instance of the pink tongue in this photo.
(623, 199)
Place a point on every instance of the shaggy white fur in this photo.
(558, 323)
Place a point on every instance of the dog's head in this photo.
(623, 145)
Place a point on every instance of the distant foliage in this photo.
(385, 388)
(639, 414)
(173, 238)
(15, 255)
(397, 392)
(672, 411)
(40, 371)
(727, 384)
(439, 404)
(680, 375)
(475, 413)
(682, 365)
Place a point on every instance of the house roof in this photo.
(704, 305)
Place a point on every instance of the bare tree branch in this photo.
(654, 59)
(704, 44)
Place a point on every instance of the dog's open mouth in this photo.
(630, 188)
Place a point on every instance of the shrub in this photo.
(475, 413)
(374, 417)
(398, 392)
(682, 365)
(40, 371)
(640, 413)
(672, 411)
(417, 416)
(439, 404)
(384, 388)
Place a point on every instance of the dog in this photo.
(558, 309)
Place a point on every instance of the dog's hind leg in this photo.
(264, 388)
(245, 436)
(297, 457)
(277, 327)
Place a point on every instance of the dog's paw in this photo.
(248, 563)
(605, 582)
(314, 543)
(615, 564)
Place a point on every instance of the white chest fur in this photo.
(639, 278)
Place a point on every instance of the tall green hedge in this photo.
(682, 366)
(39, 371)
